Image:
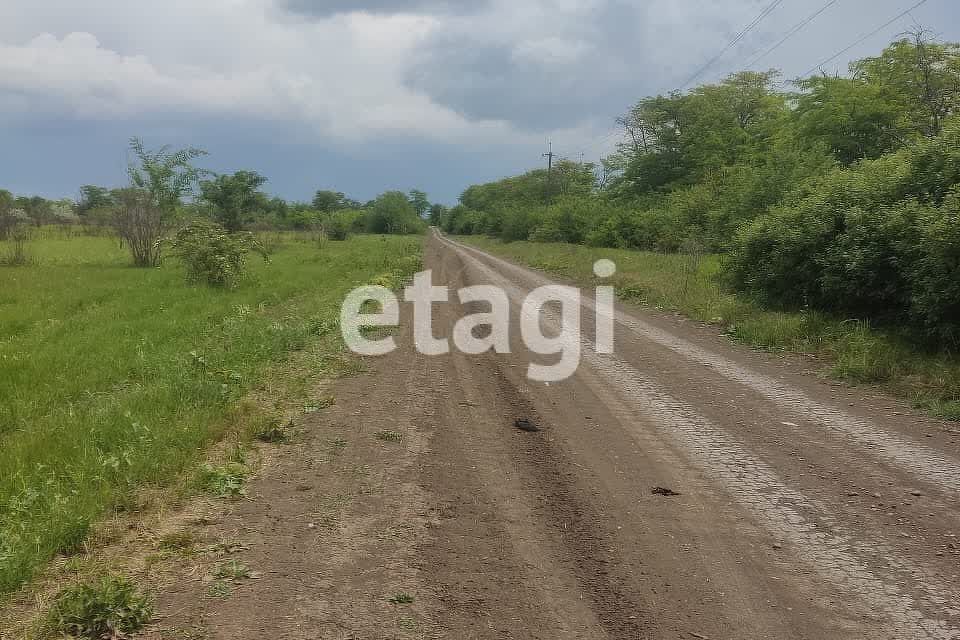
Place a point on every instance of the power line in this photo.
(549, 156)
(866, 37)
(791, 33)
(740, 36)
(756, 21)
(794, 31)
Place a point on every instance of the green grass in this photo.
(853, 350)
(111, 607)
(112, 378)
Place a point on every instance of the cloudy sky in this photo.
(375, 94)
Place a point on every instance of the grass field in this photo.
(114, 378)
(691, 285)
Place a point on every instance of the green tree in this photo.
(920, 76)
(437, 212)
(329, 201)
(851, 118)
(392, 213)
(94, 197)
(36, 208)
(6, 213)
(233, 197)
(419, 201)
(159, 180)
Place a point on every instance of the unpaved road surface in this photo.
(805, 509)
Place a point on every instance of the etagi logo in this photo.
(554, 307)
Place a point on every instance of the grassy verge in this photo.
(691, 285)
(113, 379)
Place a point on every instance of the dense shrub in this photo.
(392, 212)
(338, 226)
(877, 240)
(212, 255)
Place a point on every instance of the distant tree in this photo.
(329, 201)
(419, 201)
(19, 233)
(63, 213)
(437, 211)
(393, 213)
(6, 213)
(233, 197)
(93, 197)
(159, 181)
(37, 209)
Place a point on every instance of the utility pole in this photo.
(549, 156)
(581, 158)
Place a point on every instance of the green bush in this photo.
(338, 228)
(879, 240)
(212, 255)
(935, 272)
(110, 608)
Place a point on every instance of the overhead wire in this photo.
(740, 36)
(866, 37)
(792, 32)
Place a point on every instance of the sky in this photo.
(366, 96)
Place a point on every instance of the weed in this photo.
(402, 598)
(274, 432)
(179, 541)
(225, 481)
(219, 589)
(389, 436)
(321, 403)
(232, 570)
(106, 609)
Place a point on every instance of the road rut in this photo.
(800, 509)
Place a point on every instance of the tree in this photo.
(418, 199)
(233, 197)
(437, 212)
(681, 138)
(920, 76)
(159, 181)
(6, 213)
(93, 197)
(393, 213)
(37, 209)
(852, 118)
(329, 201)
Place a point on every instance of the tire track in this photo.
(923, 462)
(899, 612)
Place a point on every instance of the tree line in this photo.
(166, 192)
(829, 192)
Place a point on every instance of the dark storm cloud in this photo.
(553, 79)
(324, 8)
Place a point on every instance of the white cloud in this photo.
(337, 78)
(483, 76)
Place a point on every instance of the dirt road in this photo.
(805, 509)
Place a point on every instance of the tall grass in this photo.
(692, 285)
(113, 377)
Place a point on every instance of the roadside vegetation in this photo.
(692, 284)
(115, 377)
(826, 209)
